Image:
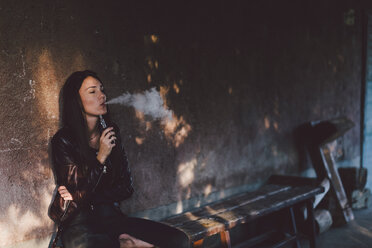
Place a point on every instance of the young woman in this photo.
(84, 153)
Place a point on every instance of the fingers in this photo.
(107, 143)
(108, 137)
(112, 140)
(107, 131)
(62, 190)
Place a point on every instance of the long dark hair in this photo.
(72, 114)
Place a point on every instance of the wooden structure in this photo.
(220, 217)
(321, 135)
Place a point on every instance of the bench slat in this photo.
(223, 219)
(225, 205)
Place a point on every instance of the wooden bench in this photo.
(272, 198)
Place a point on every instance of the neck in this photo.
(92, 122)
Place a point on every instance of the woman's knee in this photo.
(89, 240)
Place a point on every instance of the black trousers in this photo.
(101, 227)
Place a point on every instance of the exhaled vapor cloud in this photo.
(149, 103)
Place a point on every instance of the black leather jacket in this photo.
(69, 172)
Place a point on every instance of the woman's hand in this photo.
(64, 193)
(106, 143)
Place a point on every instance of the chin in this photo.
(103, 111)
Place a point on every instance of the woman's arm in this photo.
(122, 187)
(68, 170)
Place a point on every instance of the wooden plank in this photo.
(225, 220)
(275, 203)
(330, 166)
(293, 180)
(202, 228)
(221, 206)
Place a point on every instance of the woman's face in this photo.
(92, 97)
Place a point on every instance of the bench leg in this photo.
(198, 244)
(311, 223)
(225, 239)
(294, 227)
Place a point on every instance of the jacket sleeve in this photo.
(69, 172)
(122, 187)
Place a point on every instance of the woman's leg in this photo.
(114, 223)
(155, 233)
(81, 233)
(80, 236)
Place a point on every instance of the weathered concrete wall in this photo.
(238, 78)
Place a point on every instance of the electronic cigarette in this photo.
(103, 122)
(104, 126)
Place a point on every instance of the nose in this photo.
(103, 96)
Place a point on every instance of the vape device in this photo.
(102, 122)
(104, 126)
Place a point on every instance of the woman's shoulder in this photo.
(63, 135)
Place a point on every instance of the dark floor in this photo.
(355, 234)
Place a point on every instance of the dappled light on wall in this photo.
(152, 66)
(176, 129)
(185, 173)
(179, 207)
(276, 126)
(267, 122)
(154, 38)
(151, 105)
(207, 189)
(46, 93)
(151, 39)
(139, 140)
(140, 116)
(152, 63)
(17, 224)
(46, 85)
(176, 88)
